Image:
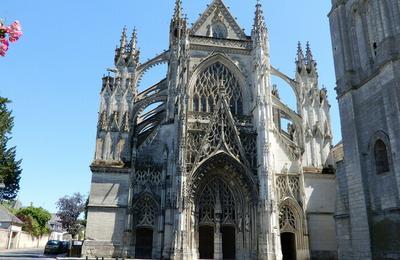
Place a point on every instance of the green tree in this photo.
(35, 220)
(10, 169)
(69, 210)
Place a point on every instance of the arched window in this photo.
(381, 157)
(210, 84)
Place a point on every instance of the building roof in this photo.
(7, 216)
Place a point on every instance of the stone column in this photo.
(218, 255)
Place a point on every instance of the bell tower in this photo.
(365, 40)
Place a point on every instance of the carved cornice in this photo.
(222, 45)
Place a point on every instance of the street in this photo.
(22, 254)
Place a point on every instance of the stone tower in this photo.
(200, 165)
(366, 47)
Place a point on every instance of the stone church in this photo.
(366, 47)
(210, 163)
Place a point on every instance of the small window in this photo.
(219, 30)
(375, 46)
(381, 157)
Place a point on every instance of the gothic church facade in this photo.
(202, 165)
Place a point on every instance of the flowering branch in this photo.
(13, 32)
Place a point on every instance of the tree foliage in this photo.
(10, 169)
(35, 220)
(69, 210)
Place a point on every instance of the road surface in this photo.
(22, 254)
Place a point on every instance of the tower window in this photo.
(381, 157)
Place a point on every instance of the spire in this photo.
(259, 21)
(259, 32)
(300, 55)
(123, 38)
(177, 10)
(133, 42)
(300, 61)
(309, 55)
(132, 57)
(311, 63)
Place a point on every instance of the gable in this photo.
(218, 22)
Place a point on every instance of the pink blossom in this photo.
(14, 31)
(3, 47)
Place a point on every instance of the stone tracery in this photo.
(208, 86)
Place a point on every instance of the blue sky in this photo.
(53, 74)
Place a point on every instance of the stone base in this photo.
(324, 255)
(101, 249)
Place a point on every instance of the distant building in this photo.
(55, 226)
(210, 163)
(366, 48)
(10, 229)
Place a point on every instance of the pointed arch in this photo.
(292, 220)
(222, 164)
(230, 68)
(146, 208)
(290, 216)
(379, 148)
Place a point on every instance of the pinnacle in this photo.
(178, 9)
(259, 21)
(300, 55)
(308, 52)
(133, 41)
(123, 38)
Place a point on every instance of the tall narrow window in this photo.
(196, 103)
(381, 157)
(203, 104)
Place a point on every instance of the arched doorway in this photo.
(144, 243)
(290, 227)
(145, 225)
(217, 221)
(206, 242)
(288, 245)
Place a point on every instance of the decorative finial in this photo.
(300, 55)
(133, 42)
(178, 9)
(259, 27)
(308, 52)
(123, 38)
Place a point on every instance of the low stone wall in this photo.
(4, 234)
(28, 241)
(21, 240)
